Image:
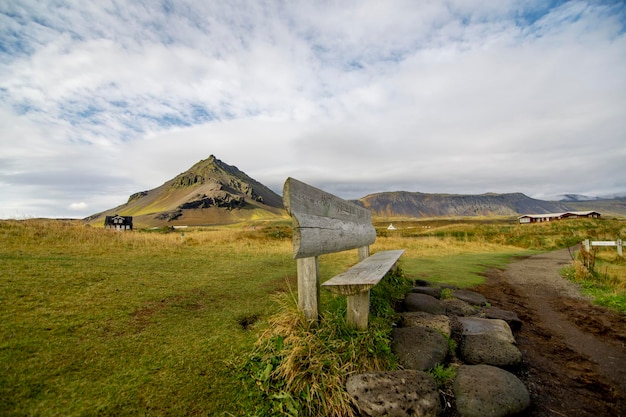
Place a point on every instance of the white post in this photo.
(586, 245)
(619, 247)
(309, 287)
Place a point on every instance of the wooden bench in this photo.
(322, 224)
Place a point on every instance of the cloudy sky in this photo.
(101, 99)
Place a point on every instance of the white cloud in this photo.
(98, 101)
(78, 206)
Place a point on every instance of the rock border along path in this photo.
(574, 353)
(483, 386)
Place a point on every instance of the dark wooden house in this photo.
(118, 222)
(547, 217)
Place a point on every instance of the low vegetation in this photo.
(299, 367)
(102, 322)
(602, 274)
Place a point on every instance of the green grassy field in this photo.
(95, 322)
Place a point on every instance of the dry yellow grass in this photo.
(611, 265)
(436, 247)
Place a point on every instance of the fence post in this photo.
(586, 245)
(619, 247)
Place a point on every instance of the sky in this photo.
(102, 99)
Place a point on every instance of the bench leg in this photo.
(364, 252)
(358, 310)
(308, 287)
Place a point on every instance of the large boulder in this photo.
(456, 307)
(432, 291)
(437, 322)
(398, 393)
(471, 297)
(486, 349)
(423, 302)
(487, 341)
(495, 327)
(488, 391)
(419, 348)
(510, 317)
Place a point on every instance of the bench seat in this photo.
(364, 275)
(357, 282)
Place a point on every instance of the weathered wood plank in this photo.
(324, 223)
(364, 275)
(603, 243)
(617, 243)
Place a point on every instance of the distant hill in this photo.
(615, 207)
(210, 192)
(412, 204)
(575, 198)
(582, 197)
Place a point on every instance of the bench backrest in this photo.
(324, 223)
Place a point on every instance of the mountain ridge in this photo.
(416, 204)
(213, 192)
(210, 192)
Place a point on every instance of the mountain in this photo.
(615, 207)
(210, 192)
(575, 197)
(411, 204)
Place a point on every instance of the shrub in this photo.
(443, 375)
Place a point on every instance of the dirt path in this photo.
(574, 352)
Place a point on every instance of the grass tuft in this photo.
(443, 375)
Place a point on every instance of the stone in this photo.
(397, 393)
(471, 297)
(456, 307)
(488, 341)
(423, 302)
(448, 286)
(495, 327)
(489, 350)
(510, 317)
(432, 291)
(419, 348)
(488, 391)
(437, 322)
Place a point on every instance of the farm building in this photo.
(118, 222)
(546, 217)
